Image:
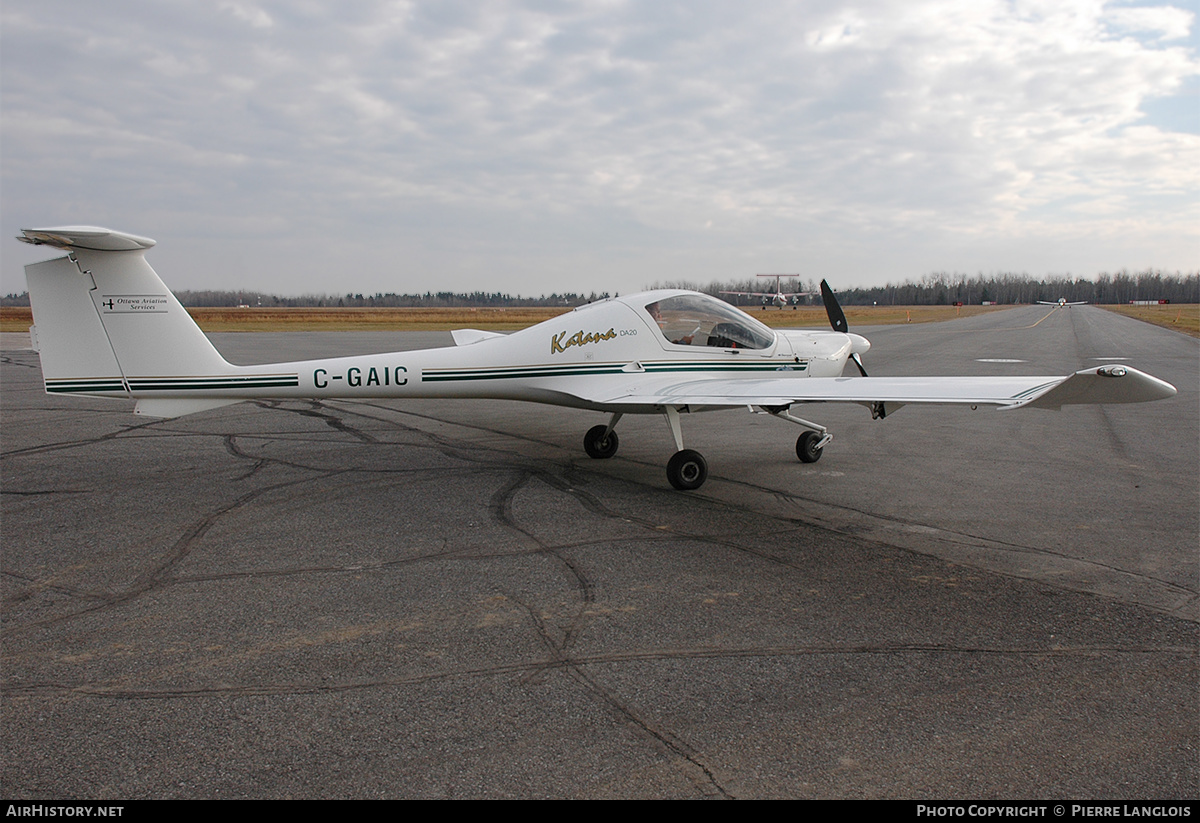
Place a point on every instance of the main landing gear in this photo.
(687, 469)
(601, 442)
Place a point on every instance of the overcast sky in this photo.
(533, 147)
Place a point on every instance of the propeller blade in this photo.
(837, 317)
(858, 362)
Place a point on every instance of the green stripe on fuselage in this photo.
(576, 369)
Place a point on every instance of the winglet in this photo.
(1104, 384)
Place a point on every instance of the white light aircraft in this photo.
(1061, 303)
(107, 326)
(778, 297)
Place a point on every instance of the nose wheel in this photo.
(812, 443)
(809, 447)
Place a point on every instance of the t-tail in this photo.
(105, 324)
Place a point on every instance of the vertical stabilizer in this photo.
(106, 324)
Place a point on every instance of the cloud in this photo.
(248, 13)
(1168, 22)
(602, 142)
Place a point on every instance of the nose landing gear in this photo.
(809, 448)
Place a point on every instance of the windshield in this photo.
(700, 320)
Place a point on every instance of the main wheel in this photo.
(687, 470)
(597, 445)
(806, 447)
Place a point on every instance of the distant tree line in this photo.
(441, 299)
(941, 288)
(231, 299)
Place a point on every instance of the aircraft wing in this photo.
(1104, 384)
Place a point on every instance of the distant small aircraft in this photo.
(107, 326)
(1061, 303)
(778, 297)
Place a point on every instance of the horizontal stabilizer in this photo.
(465, 337)
(92, 238)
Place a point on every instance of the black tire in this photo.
(806, 447)
(597, 445)
(687, 470)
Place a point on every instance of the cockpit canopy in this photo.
(700, 320)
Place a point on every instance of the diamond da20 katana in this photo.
(105, 325)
